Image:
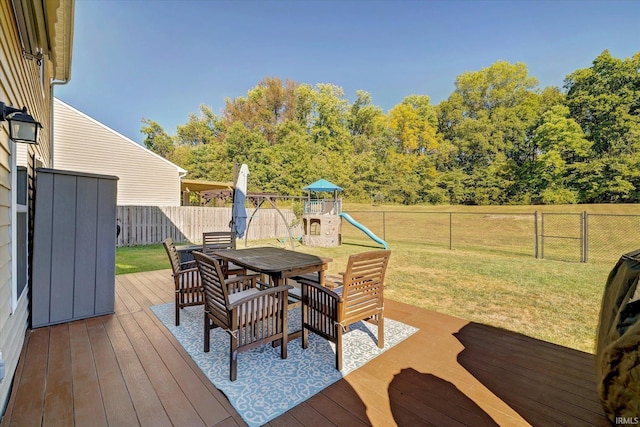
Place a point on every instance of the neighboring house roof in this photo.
(59, 102)
(84, 144)
(322, 185)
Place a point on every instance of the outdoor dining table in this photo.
(279, 264)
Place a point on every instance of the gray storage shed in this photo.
(74, 246)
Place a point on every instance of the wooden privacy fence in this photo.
(144, 225)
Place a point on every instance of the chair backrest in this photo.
(174, 257)
(216, 294)
(363, 284)
(214, 240)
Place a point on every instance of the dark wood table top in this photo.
(270, 260)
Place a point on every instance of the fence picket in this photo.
(143, 225)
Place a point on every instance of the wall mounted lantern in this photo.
(22, 126)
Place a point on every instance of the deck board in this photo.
(58, 409)
(127, 369)
(118, 405)
(143, 395)
(176, 403)
(87, 397)
(195, 386)
(30, 386)
(337, 415)
(342, 396)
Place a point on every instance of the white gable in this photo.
(83, 144)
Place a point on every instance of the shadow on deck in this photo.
(127, 369)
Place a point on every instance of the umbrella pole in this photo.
(233, 193)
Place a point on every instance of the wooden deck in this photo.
(128, 370)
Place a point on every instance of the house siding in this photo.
(20, 85)
(86, 145)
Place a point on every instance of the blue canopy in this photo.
(322, 185)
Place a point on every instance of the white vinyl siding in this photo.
(20, 85)
(85, 145)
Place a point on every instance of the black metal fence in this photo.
(577, 237)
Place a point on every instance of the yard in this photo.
(553, 301)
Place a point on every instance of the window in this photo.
(19, 231)
(22, 223)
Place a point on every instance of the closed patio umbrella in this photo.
(238, 212)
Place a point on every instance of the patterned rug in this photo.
(268, 386)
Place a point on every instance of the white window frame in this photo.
(15, 209)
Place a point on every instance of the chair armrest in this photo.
(271, 291)
(234, 282)
(262, 285)
(320, 288)
(187, 271)
(188, 265)
(331, 281)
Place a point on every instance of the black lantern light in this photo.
(22, 126)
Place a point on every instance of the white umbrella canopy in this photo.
(239, 212)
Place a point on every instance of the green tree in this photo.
(489, 119)
(455, 185)
(265, 107)
(605, 101)
(562, 148)
(400, 175)
(413, 125)
(305, 100)
(205, 128)
(365, 119)
(285, 168)
(156, 139)
(330, 122)
(206, 162)
(242, 143)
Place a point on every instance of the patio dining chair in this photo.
(216, 240)
(357, 295)
(250, 316)
(188, 289)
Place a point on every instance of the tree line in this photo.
(497, 139)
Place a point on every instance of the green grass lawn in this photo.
(491, 275)
(554, 301)
(141, 258)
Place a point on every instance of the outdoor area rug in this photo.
(267, 386)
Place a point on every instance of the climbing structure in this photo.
(321, 217)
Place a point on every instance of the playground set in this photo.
(322, 217)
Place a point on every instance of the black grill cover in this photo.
(618, 341)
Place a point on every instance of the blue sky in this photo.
(162, 59)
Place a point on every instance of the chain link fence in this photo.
(562, 236)
(574, 237)
(608, 236)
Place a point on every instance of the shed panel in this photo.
(74, 246)
(85, 249)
